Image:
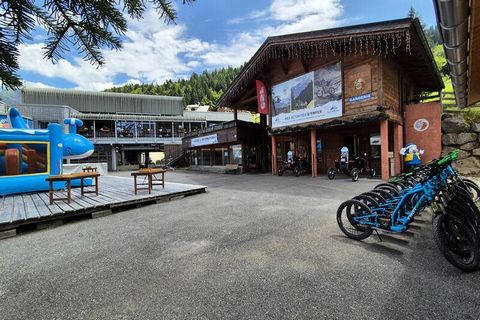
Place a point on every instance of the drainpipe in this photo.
(453, 18)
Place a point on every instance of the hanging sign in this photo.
(203, 141)
(262, 98)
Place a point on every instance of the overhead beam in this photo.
(304, 64)
(248, 100)
(285, 65)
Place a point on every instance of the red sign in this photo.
(262, 98)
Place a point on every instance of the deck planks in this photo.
(31, 211)
(114, 193)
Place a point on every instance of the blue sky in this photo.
(208, 35)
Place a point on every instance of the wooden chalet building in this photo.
(355, 86)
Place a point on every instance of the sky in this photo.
(207, 35)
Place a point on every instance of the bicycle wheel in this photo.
(369, 201)
(473, 188)
(331, 173)
(296, 171)
(355, 174)
(456, 242)
(346, 213)
(378, 198)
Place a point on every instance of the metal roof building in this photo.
(105, 102)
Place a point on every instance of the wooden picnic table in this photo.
(150, 175)
(68, 179)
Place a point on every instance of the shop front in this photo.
(345, 87)
(236, 142)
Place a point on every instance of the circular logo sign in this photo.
(421, 125)
(358, 84)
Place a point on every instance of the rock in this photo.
(468, 146)
(475, 127)
(447, 115)
(446, 150)
(463, 154)
(454, 125)
(468, 166)
(449, 139)
(476, 152)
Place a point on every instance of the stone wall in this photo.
(457, 133)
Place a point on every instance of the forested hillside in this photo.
(205, 88)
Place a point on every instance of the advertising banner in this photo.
(203, 141)
(312, 96)
(262, 98)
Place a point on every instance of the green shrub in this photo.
(472, 115)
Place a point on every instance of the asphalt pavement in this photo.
(251, 247)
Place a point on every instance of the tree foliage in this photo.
(205, 88)
(83, 25)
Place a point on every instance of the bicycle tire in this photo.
(364, 231)
(443, 228)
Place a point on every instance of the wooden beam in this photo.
(248, 93)
(284, 64)
(304, 64)
(248, 100)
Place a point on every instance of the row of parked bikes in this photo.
(394, 205)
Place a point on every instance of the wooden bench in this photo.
(68, 179)
(150, 176)
(232, 168)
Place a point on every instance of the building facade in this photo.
(342, 87)
(127, 130)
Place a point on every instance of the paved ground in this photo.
(252, 247)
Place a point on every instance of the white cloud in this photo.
(151, 53)
(154, 51)
(36, 84)
(281, 17)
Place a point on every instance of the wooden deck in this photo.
(116, 194)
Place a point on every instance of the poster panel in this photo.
(312, 96)
(205, 140)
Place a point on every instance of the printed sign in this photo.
(375, 140)
(421, 125)
(203, 141)
(312, 96)
(359, 98)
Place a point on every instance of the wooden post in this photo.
(313, 146)
(274, 155)
(397, 145)
(384, 149)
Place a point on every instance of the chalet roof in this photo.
(403, 38)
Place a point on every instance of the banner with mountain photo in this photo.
(310, 97)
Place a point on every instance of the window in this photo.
(19, 158)
(236, 154)
(375, 145)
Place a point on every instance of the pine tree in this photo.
(84, 25)
(205, 88)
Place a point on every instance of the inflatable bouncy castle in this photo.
(29, 156)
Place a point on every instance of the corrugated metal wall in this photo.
(104, 102)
